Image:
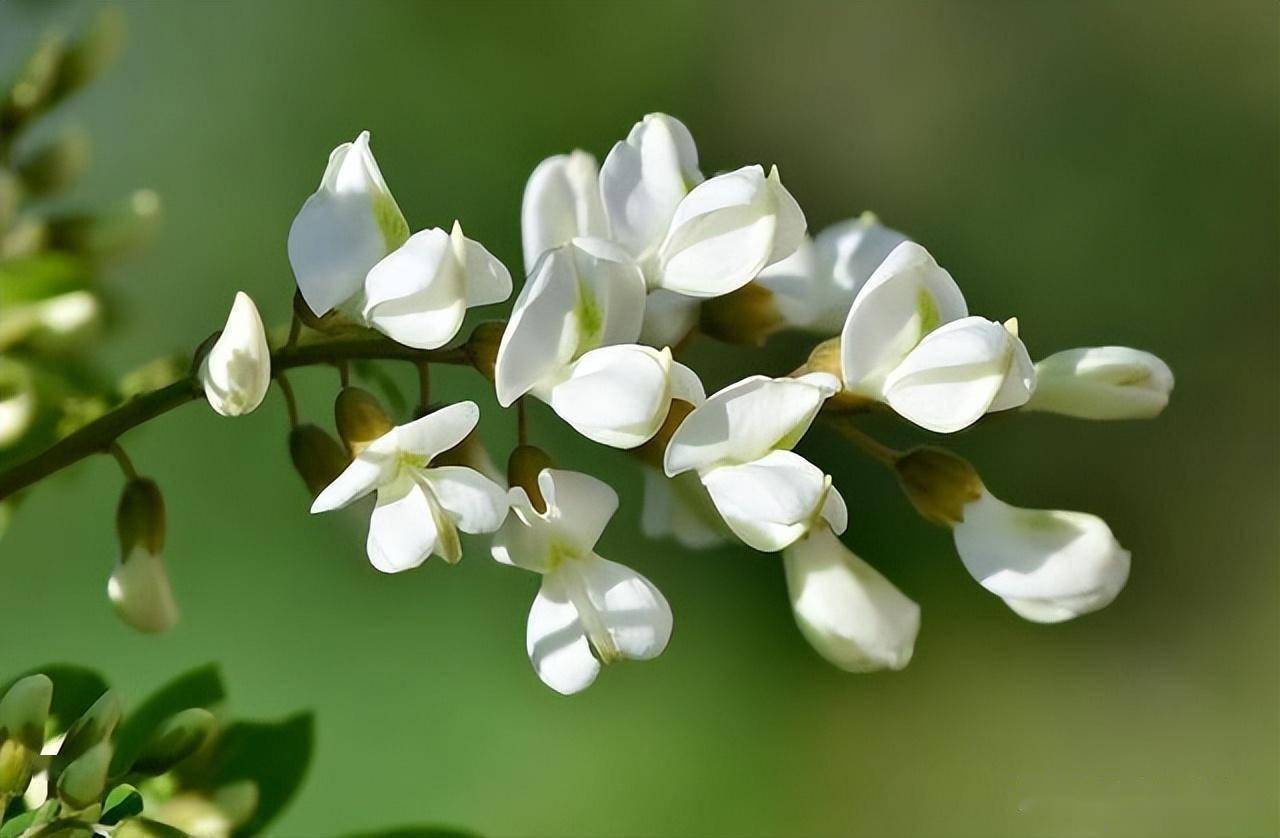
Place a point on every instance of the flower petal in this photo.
(236, 372)
(557, 642)
(374, 466)
(680, 507)
(542, 336)
(439, 430)
(1102, 382)
(416, 295)
(668, 317)
(487, 280)
(644, 178)
(474, 502)
(403, 527)
(139, 589)
(618, 395)
(625, 605)
(561, 202)
(771, 502)
(578, 506)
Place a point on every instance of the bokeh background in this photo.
(1106, 171)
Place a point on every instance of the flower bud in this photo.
(112, 233)
(523, 467)
(482, 347)
(1102, 382)
(360, 418)
(82, 783)
(24, 711)
(139, 585)
(57, 164)
(471, 453)
(236, 372)
(317, 457)
(33, 88)
(176, 739)
(95, 725)
(86, 58)
(938, 483)
(848, 611)
(745, 317)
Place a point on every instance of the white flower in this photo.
(848, 611)
(739, 443)
(236, 372)
(589, 610)
(140, 591)
(420, 509)
(561, 202)
(1047, 565)
(680, 508)
(814, 287)
(959, 372)
(17, 401)
(419, 293)
(1102, 382)
(344, 229)
(569, 344)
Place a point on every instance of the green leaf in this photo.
(75, 689)
(199, 688)
(15, 826)
(144, 828)
(39, 277)
(122, 802)
(65, 828)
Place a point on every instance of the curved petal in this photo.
(643, 179)
(416, 295)
(485, 278)
(953, 377)
(685, 385)
(625, 615)
(561, 202)
(849, 613)
(1047, 565)
(403, 527)
(792, 225)
(906, 298)
(439, 430)
(771, 502)
(1102, 382)
(557, 642)
(610, 294)
(524, 540)
(1020, 379)
(474, 502)
(140, 591)
(372, 467)
(542, 335)
(236, 372)
(617, 395)
(668, 317)
(747, 420)
(578, 505)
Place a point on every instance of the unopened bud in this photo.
(825, 357)
(112, 233)
(482, 347)
(140, 520)
(745, 317)
(10, 197)
(97, 724)
(317, 457)
(57, 165)
(139, 585)
(25, 709)
(360, 418)
(938, 483)
(331, 320)
(86, 58)
(523, 467)
(33, 88)
(472, 454)
(82, 782)
(652, 452)
(178, 738)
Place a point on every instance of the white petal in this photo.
(722, 235)
(954, 376)
(487, 280)
(343, 229)
(1102, 382)
(747, 420)
(474, 502)
(236, 372)
(849, 613)
(524, 540)
(561, 202)
(416, 295)
(625, 616)
(403, 527)
(679, 507)
(790, 233)
(907, 297)
(771, 502)
(140, 590)
(618, 395)
(799, 293)
(644, 178)
(439, 430)
(578, 506)
(557, 642)
(668, 317)
(1048, 565)
(372, 467)
(610, 294)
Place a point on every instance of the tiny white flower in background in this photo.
(140, 591)
(17, 401)
(345, 228)
(589, 610)
(236, 372)
(1047, 565)
(419, 293)
(848, 611)
(1102, 382)
(959, 372)
(739, 442)
(679, 507)
(561, 202)
(815, 286)
(67, 314)
(420, 508)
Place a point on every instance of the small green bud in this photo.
(745, 317)
(938, 483)
(523, 467)
(57, 165)
(178, 738)
(97, 49)
(317, 457)
(82, 782)
(360, 418)
(329, 322)
(482, 346)
(97, 724)
(25, 709)
(112, 233)
(33, 89)
(140, 520)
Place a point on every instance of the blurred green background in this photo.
(1106, 171)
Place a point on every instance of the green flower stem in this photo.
(873, 448)
(99, 435)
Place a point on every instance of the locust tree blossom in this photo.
(1102, 382)
(1047, 565)
(739, 442)
(848, 611)
(420, 508)
(570, 343)
(17, 401)
(589, 611)
(236, 372)
(908, 341)
(561, 202)
(139, 585)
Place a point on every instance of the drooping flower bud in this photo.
(848, 611)
(1102, 382)
(317, 457)
(177, 738)
(482, 346)
(360, 418)
(139, 585)
(96, 724)
(95, 51)
(938, 483)
(57, 164)
(82, 782)
(236, 372)
(23, 713)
